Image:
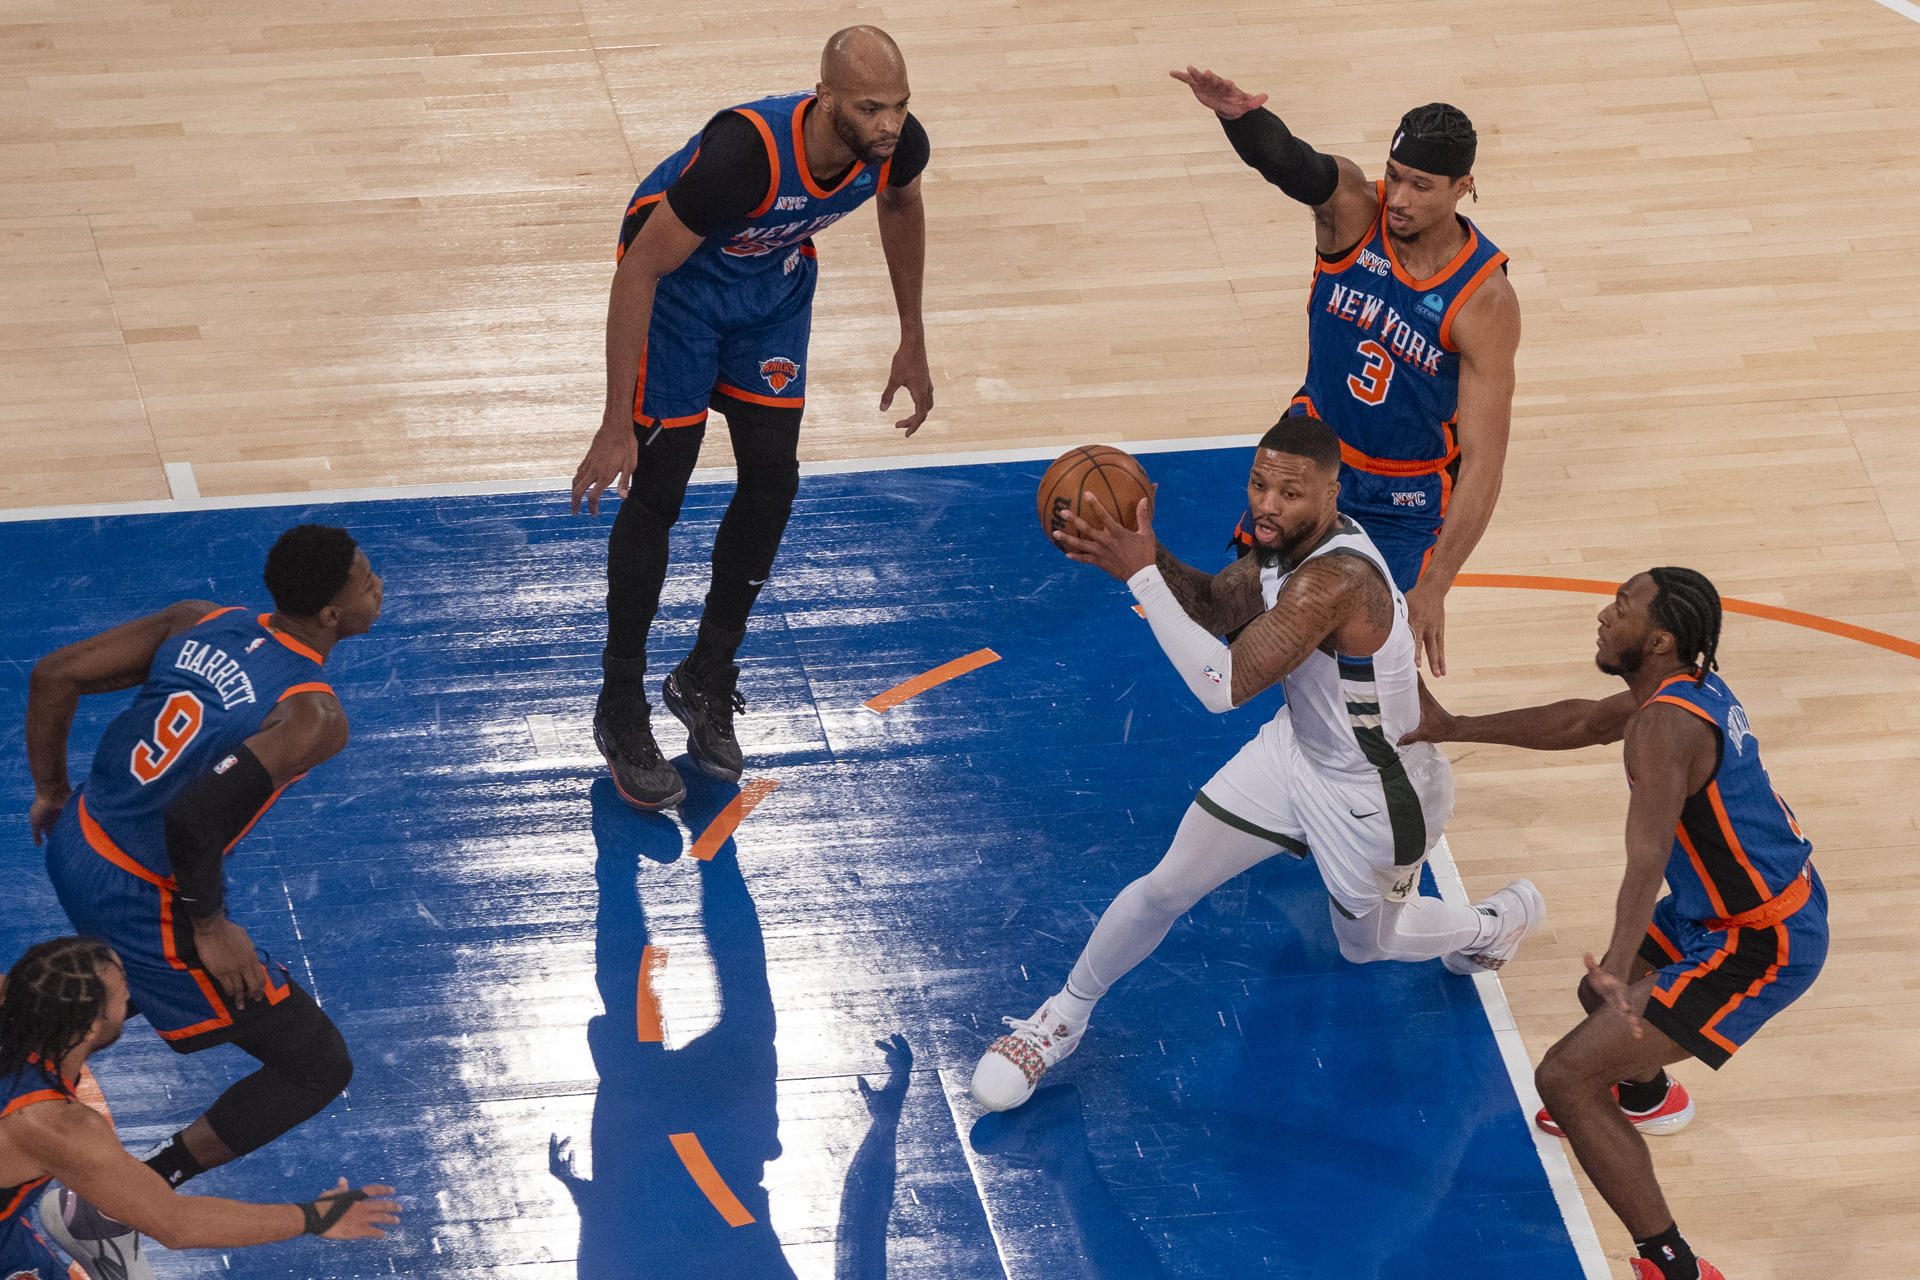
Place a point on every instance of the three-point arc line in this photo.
(928, 679)
(1811, 621)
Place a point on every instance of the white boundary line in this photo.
(1901, 7)
(560, 486)
(1553, 1155)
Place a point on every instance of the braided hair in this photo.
(1686, 606)
(1442, 122)
(53, 995)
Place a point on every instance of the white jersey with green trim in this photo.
(1349, 712)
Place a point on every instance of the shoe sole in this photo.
(81, 1251)
(1658, 1128)
(1536, 915)
(642, 805)
(674, 708)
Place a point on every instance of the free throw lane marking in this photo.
(646, 1010)
(1811, 621)
(928, 679)
(739, 807)
(708, 1179)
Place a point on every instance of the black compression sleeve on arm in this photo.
(205, 819)
(728, 178)
(1265, 143)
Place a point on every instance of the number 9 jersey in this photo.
(1383, 372)
(207, 692)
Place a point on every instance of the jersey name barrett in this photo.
(207, 691)
(780, 229)
(1382, 368)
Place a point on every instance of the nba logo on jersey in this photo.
(256, 644)
(779, 371)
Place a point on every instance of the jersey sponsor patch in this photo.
(1435, 303)
(778, 372)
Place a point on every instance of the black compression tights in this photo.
(304, 1065)
(743, 549)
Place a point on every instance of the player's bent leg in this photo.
(1207, 851)
(1656, 1105)
(304, 1065)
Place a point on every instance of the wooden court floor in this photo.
(328, 246)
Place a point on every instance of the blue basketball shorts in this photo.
(711, 341)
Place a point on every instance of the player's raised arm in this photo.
(1554, 726)
(113, 660)
(1343, 201)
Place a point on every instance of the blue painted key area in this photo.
(470, 901)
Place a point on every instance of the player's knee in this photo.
(1359, 937)
(1561, 1074)
(1163, 895)
(640, 521)
(770, 485)
(331, 1069)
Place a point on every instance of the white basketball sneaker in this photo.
(1520, 910)
(105, 1249)
(1010, 1069)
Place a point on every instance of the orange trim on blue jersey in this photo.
(312, 686)
(1466, 291)
(28, 1099)
(1352, 255)
(691, 420)
(1683, 703)
(18, 1203)
(232, 608)
(1718, 958)
(886, 174)
(1734, 846)
(1396, 466)
(1700, 869)
(1445, 273)
(800, 157)
(1663, 942)
(101, 843)
(266, 620)
(639, 203)
(1759, 984)
(754, 397)
(773, 160)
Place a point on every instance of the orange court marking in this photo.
(708, 1179)
(646, 1011)
(721, 828)
(928, 679)
(1811, 621)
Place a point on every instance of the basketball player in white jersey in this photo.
(1319, 614)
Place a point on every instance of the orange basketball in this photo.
(1112, 475)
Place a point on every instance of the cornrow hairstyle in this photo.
(54, 993)
(307, 567)
(1442, 122)
(1686, 606)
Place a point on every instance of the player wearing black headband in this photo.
(232, 707)
(1412, 329)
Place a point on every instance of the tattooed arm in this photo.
(1339, 601)
(1217, 601)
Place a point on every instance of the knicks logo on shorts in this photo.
(778, 372)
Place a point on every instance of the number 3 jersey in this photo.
(206, 693)
(1383, 371)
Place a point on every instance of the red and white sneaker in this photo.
(1010, 1070)
(1670, 1116)
(1644, 1270)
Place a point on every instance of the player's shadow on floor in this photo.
(642, 1213)
(1049, 1134)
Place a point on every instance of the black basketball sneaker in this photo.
(705, 704)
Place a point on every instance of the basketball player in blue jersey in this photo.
(711, 309)
(233, 707)
(1742, 932)
(64, 1001)
(1411, 332)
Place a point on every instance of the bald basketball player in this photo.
(711, 310)
(1411, 333)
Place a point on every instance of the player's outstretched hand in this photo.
(910, 370)
(1109, 544)
(1218, 94)
(45, 812)
(610, 461)
(1436, 722)
(364, 1218)
(1427, 616)
(1614, 993)
(227, 953)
